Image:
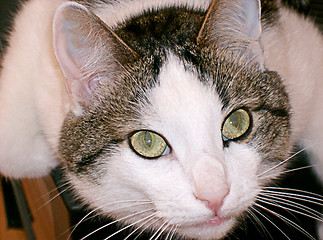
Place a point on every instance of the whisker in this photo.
(115, 221)
(129, 74)
(140, 226)
(246, 64)
(50, 200)
(174, 231)
(156, 232)
(302, 230)
(257, 221)
(130, 225)
(270, 221)
(159, 230)
(293, 170)
(86, 217)
(55, 189)
(82, 220)
(292, 203)
(164, 229)
(144, 229)
(286, 196)
(317, 198)
(276, 204)
(281, 163)
(300, 168)
(169, 232)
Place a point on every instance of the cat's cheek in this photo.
(114, 193)
(242, 164)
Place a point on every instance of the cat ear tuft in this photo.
(234, 25)
(88, 52)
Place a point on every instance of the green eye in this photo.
(236, 125)
(148, 144)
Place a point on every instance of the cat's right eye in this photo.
(149, 144)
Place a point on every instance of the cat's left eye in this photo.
(149, 144)
(236, 124)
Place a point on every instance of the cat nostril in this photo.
(213, 199)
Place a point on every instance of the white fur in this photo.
(182, 108)
(295, 50)
(32, 95)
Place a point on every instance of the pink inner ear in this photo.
(93, 83)
(61, 49)
(85, 49)
(71, 49)
(252, 18)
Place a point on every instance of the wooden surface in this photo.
(12, 234)
(50, 217)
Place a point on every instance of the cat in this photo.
(168, 115)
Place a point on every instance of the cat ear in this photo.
(234, 25)
(89, 53)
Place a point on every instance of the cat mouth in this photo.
(215, 221)
(215, 226)
(212, 222)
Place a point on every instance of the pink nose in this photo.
(214, 196)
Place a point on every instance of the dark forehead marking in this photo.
(172, 28)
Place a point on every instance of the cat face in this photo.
(199, 169)
(177, 139)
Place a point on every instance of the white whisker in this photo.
(257, 222)
(299, 194)
(50, 200)
(118, 220)
(286, 196)
(130, 225)
(299, 168)
(56, 189)
(281, 163)
(164, 229)
(276, 204)
(292, 204)
(160, 229)
(138, 203)
(129, 74)
(144, 229)
(302, 230)
(270, 221)
(169, 232)
(140, 226)
(174, 231)
(293, 170)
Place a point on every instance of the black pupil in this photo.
(148, 139)
(235, 119)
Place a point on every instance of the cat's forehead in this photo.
(182, 103)
(181, 89)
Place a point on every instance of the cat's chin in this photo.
(213, 229)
